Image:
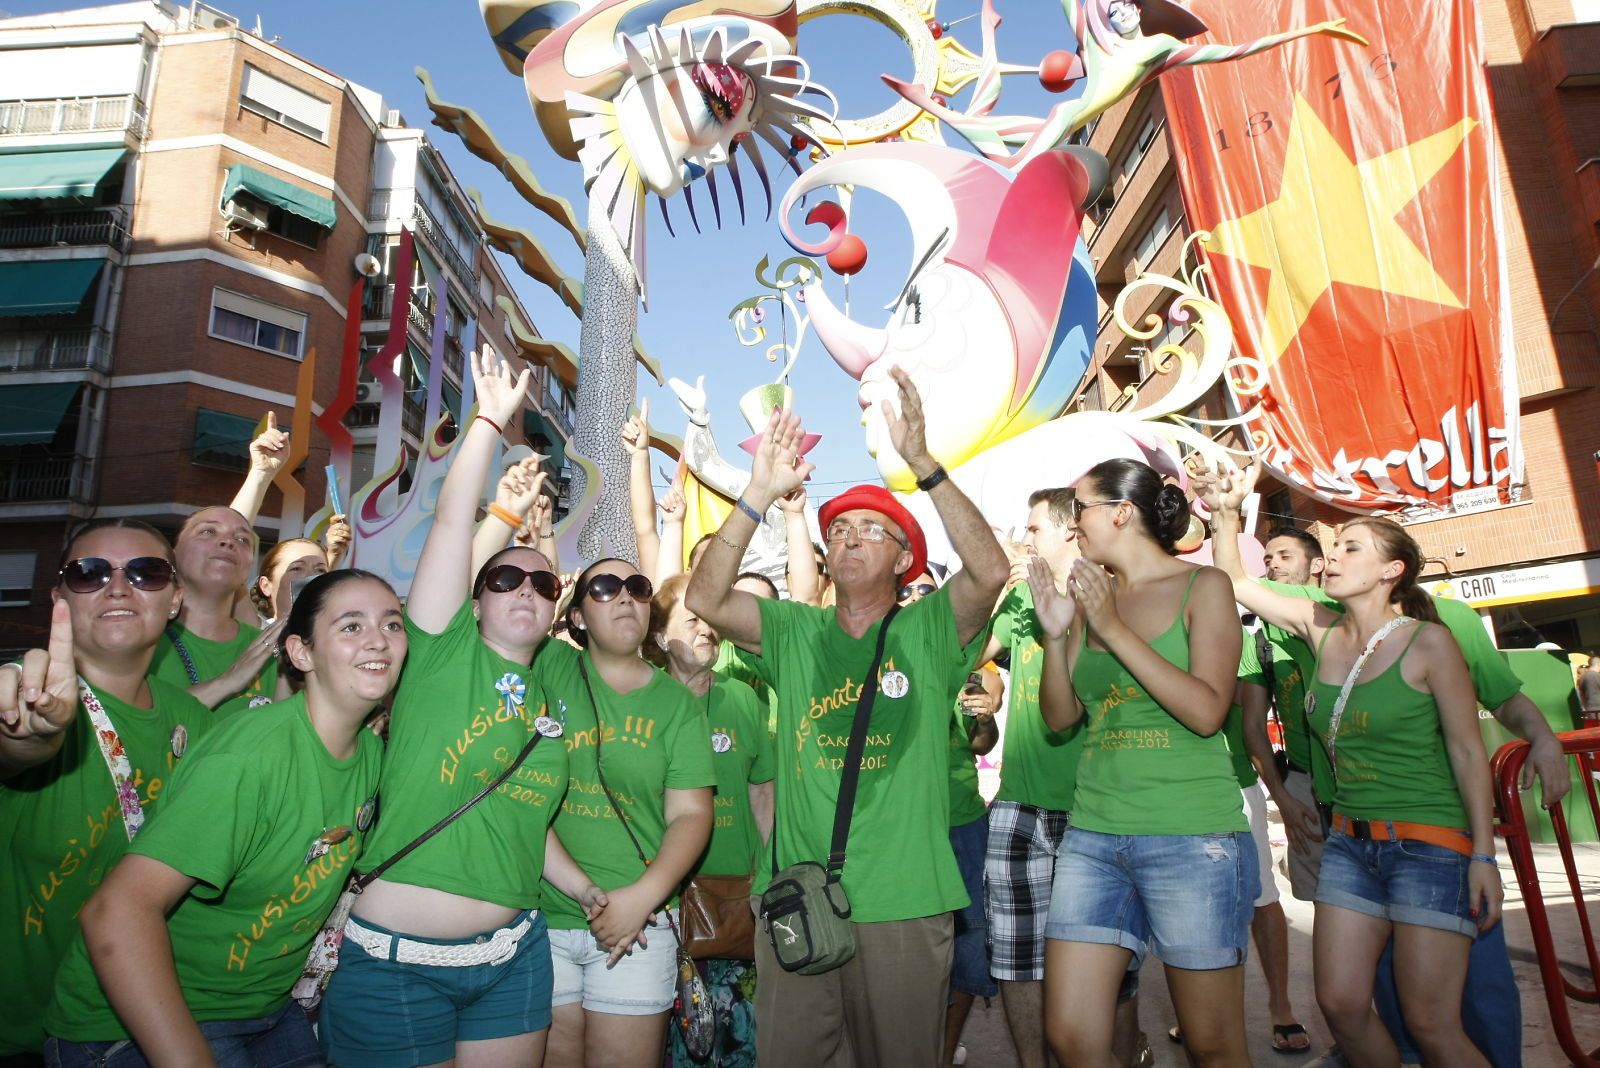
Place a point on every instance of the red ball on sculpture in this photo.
(1055, 71)
(849, 257)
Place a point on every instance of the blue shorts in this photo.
(281, 1040)
(969, 968)
(643, 983)
(1401, 881)
(1189, 897)
(379, 1013)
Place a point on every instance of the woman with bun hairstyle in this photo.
(88, 742)
(191, 946)
(637, 817)
(1145, 648)
(445, 956)
(1410, 855)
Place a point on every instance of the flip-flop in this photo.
(1281, 1033)
(1175, 1034)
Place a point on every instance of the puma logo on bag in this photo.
(788, 932)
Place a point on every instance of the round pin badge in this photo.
(365, 813)
(547, 727)
(260, 699)
(720, 742)
(895, 684)
(318, 848)
(180, 740)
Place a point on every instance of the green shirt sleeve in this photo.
(1492, 677)
(208, 821)
(689, 750)
(1250, 662)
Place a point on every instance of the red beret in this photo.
(877, 499)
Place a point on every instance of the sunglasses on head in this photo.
(90, 573)
(920, 589)
(603, 588)
(504, 578)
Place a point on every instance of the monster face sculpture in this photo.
(986, 323)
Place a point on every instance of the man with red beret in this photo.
(887, 1004)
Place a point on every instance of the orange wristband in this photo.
(508, 518)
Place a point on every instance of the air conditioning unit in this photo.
(247, 217)
(392, 117)
(369, 393)
(206, 17)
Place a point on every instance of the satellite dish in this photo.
(368, 265)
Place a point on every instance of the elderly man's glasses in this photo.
(869, 530)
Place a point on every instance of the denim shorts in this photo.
(1401, 881)
(282, 1040)
(1188, 897)
(643, 983)
(969, 970)
(379, 1013)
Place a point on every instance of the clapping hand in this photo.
(1093, 588)
(1053, 609)
(39, 698)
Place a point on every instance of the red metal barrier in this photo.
(1559, 987)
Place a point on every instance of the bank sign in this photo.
(1536, 582)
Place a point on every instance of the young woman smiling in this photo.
(192, 944)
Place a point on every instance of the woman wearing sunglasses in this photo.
(87, 741)
(639, 744)
(1144, 648)
(686, 647)
(443, 958)
(191, 945)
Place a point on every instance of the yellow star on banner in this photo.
(1334, 221)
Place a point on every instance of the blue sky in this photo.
(695, 279)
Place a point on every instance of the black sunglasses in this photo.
(90, 573)
(504, 578)
(603, 588)
(921, 589)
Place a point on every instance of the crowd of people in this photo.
(531, 772)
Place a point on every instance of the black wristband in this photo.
(939, 475)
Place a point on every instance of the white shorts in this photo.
(643, 983)
(1255, 810)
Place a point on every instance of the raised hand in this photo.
(908, 430)
(1092, 588)
(777, 468)
(269, 448)
(336, 540)
(673, 507)
(537, 522)
(499, 395)
(520, 486)
(1053, 609)
(1225, 488)
(40, 698)
(636, 431)
(794, 502)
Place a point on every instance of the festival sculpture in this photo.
(1122, 45)
(649, 97)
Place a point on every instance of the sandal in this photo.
(1281, 1033)
(1176, 1034)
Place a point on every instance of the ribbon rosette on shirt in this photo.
(514, 690)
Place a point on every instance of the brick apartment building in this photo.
(181, 207)
(1533, 569)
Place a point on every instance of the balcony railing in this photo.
(85, 349)
(72, 115)
(49, 478)
(96, 226)
(436, 237)
(367, 415)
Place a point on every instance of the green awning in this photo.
(56, 175)
(222, 440)
(536, 425)
(31, 415)
(46, 287)
(312, 207)
(450, 399)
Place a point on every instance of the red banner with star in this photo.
(1351, 196)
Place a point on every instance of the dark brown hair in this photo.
(1395, 544)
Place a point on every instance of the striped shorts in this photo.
(1018, 866)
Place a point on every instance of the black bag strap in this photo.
(364, 881)
(845, 810)
(1264, 660)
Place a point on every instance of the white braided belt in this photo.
(492, 949)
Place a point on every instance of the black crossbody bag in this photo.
(805, 911)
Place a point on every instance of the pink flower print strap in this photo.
(116, 760)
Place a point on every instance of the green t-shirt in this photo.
(653, 740)
(210, 660)
(1038, 766)
(741, 754)
(1142, 771)
(736, 664)
(1492, 678)
(61, 830)
(269, 824)
(462, 714)
(1392, 761)
(900, 863)
(966, 802)
(1250, 673)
